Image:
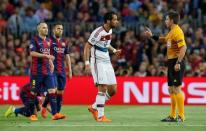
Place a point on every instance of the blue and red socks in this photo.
(53, 102)
(59, 102)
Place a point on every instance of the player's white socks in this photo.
(107, 97)
(94, 105)
(100, 101)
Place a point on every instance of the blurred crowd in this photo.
(140, 56)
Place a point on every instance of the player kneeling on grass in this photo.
(27, 109)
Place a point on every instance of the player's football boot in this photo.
(33, 118)
(58, 116)
(93, 111)
(103, 119)
(169, 119)
(9, 111)
(43, 112)
(179, 119)
(61, 116)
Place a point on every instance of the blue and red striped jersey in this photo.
(59, 48)
(40, 66)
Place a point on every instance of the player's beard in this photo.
(57, 35)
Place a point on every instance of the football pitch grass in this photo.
(124, 118)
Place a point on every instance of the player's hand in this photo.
(70, 75)
(87, 69)
(177, 67)
(51, 66)
(148, 32)
(50, 57)
(118, 52)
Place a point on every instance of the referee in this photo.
(176, 48)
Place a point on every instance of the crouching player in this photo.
(26, 110)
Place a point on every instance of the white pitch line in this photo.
(178, 125)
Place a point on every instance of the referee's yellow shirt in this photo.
(175, 39)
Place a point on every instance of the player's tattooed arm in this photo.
(115, 51)
(68, 63)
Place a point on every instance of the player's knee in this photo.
(60, 92)
(51, 91)
(102, 88)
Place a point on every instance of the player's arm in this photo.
(115, 51)
(68, 60)
(87, 50)
(68, 63)
(40, 55)
(36, 54)
(51, 65)
(149, 34)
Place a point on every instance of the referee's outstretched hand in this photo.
(148, 32)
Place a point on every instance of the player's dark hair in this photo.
(173, 15)
(57, 23)
(108, 16)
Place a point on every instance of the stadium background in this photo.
(141, 67)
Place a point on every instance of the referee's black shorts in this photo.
(175, 77)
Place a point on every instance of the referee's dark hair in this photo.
(173, 15)
(109, 16)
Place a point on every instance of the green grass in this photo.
(125, 118)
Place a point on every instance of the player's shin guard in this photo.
(173, 106)
(100, 101)
(46, 101)
(53, 102)
(180, 105)
(59, 102)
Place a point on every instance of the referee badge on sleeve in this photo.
(169, 44)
